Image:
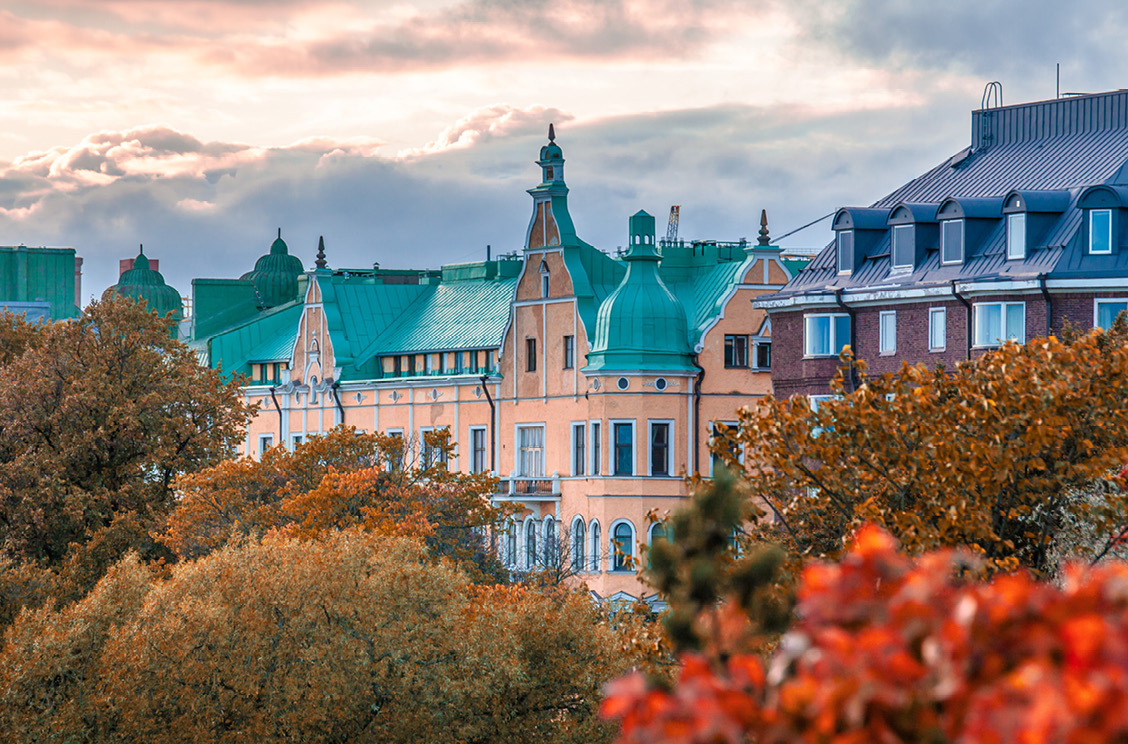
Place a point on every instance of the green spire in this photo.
(641, 325)
(275, 275)
(143, 283)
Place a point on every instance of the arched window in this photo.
(579, 537)
(658, 531)
(622, 546)
(511, 544)
(551, 551)
(530, 544)
(596, 544)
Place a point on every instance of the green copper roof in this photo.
(275, 275)
(34, 275)
(143, 283)
(641, 325)
(236, 348)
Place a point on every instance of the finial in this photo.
(551, 133)
(141, 250)
(764, 239)
(279, 233)
(320, 262)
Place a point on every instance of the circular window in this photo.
(660, 383)
(623, 383)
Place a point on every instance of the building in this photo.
(1016, 236)
(41, 283)
(140, 280)
(589, 383)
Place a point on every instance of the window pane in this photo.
(596, 545)
(1100, 231)
(1107, 312)
(579, 451)
(579, 537)
(764, 355)
(818, 335)
(841, 333)
(624, 449)
(1016, 236)
(1016, 322)
(624, 549)
(659, 449)
(937, 329)
(531, 545)
(952, 250)
(988, 324)
(903, 246)
(845, 251)
(888, 332)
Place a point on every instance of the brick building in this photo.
(1015, 237)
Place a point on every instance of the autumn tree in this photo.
(990, 455)
(98, 417)
(352, 637)
(341, 480)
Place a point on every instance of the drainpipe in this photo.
(281, 434)
(853, 337)
(1046, 297)
(337, 398)
(697, 416)
(967, 330)
(493, 423)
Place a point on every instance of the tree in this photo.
(337, 481)
(98, 416)
(886, 648)
(352, 637)
(990, 455)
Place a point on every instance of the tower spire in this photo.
(551, 133)
(764, 238)
(320, 262)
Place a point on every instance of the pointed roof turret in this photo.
(275, 275)
(142, 282)
(320, 262)
(765, 238)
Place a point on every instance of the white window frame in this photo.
(669, 447)
(295, 440)
(595, 546)
(569, 348)
(755, 344)
(943, 243)
(732, 424)
(887, 341)
(485, 465)
(942, 313)
(265, 442)
(1003, 307)
(578, 563)
(835, 342)
(900, 268)
(1016, 237)
(423, 431)
(582, 428)
(524, 542)
(1106, 301)
(838, 252)
(612, 460)
(519, 459)
(596, 448)
(1111, 221)
(550, 541)
(610, 540)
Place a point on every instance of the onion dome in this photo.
(143, 283)
(275, 275)
(641, 325)
(551, 151)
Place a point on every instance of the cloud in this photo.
(488, 122)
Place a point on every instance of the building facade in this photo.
(589, 383)
(1017, 236)
(41, 283)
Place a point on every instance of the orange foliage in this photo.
(890, 650)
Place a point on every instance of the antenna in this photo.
(1057, 87)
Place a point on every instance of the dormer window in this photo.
(1016, 236)
(1100, 231)
(952, 242)
(544, 278)
(903, 247)
(845, 251)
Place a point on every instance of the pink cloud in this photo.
(499, 120)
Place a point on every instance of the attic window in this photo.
(544, 278)
(1100, 231)
(903, 247)
(1016, 236)
(548, 173)
(952, 242)
(845, 251)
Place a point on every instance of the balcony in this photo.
(527, 489)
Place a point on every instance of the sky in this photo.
(405, 132)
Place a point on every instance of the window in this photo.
(579, 449)
(904, 247)
(458, 362)
(763, 354)
(411, 365)
(622, 543)
(1107, 311)
(1016, 236)
(937, 329)
(473, 356)
(431, 452)
(530, 451)
(489, 361)
(623, 463)
(428, 363)
(579, 537)
(845, 241)
(544, 285)
(1100, 231)
(266, 441)
(478, 449)
(530, 544)
(530, 355)
(719, 429)
(395, 450)
(736, 351)
(569, 352)
(548, 173)
(659, 448)
(825, 335)
(596, 448)
(596, 546)
(952, 242)
(658, 532)
(622, 383)
(295, 440)
(511, 554)
(551, 551)
(996, 322)
(888, 332)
